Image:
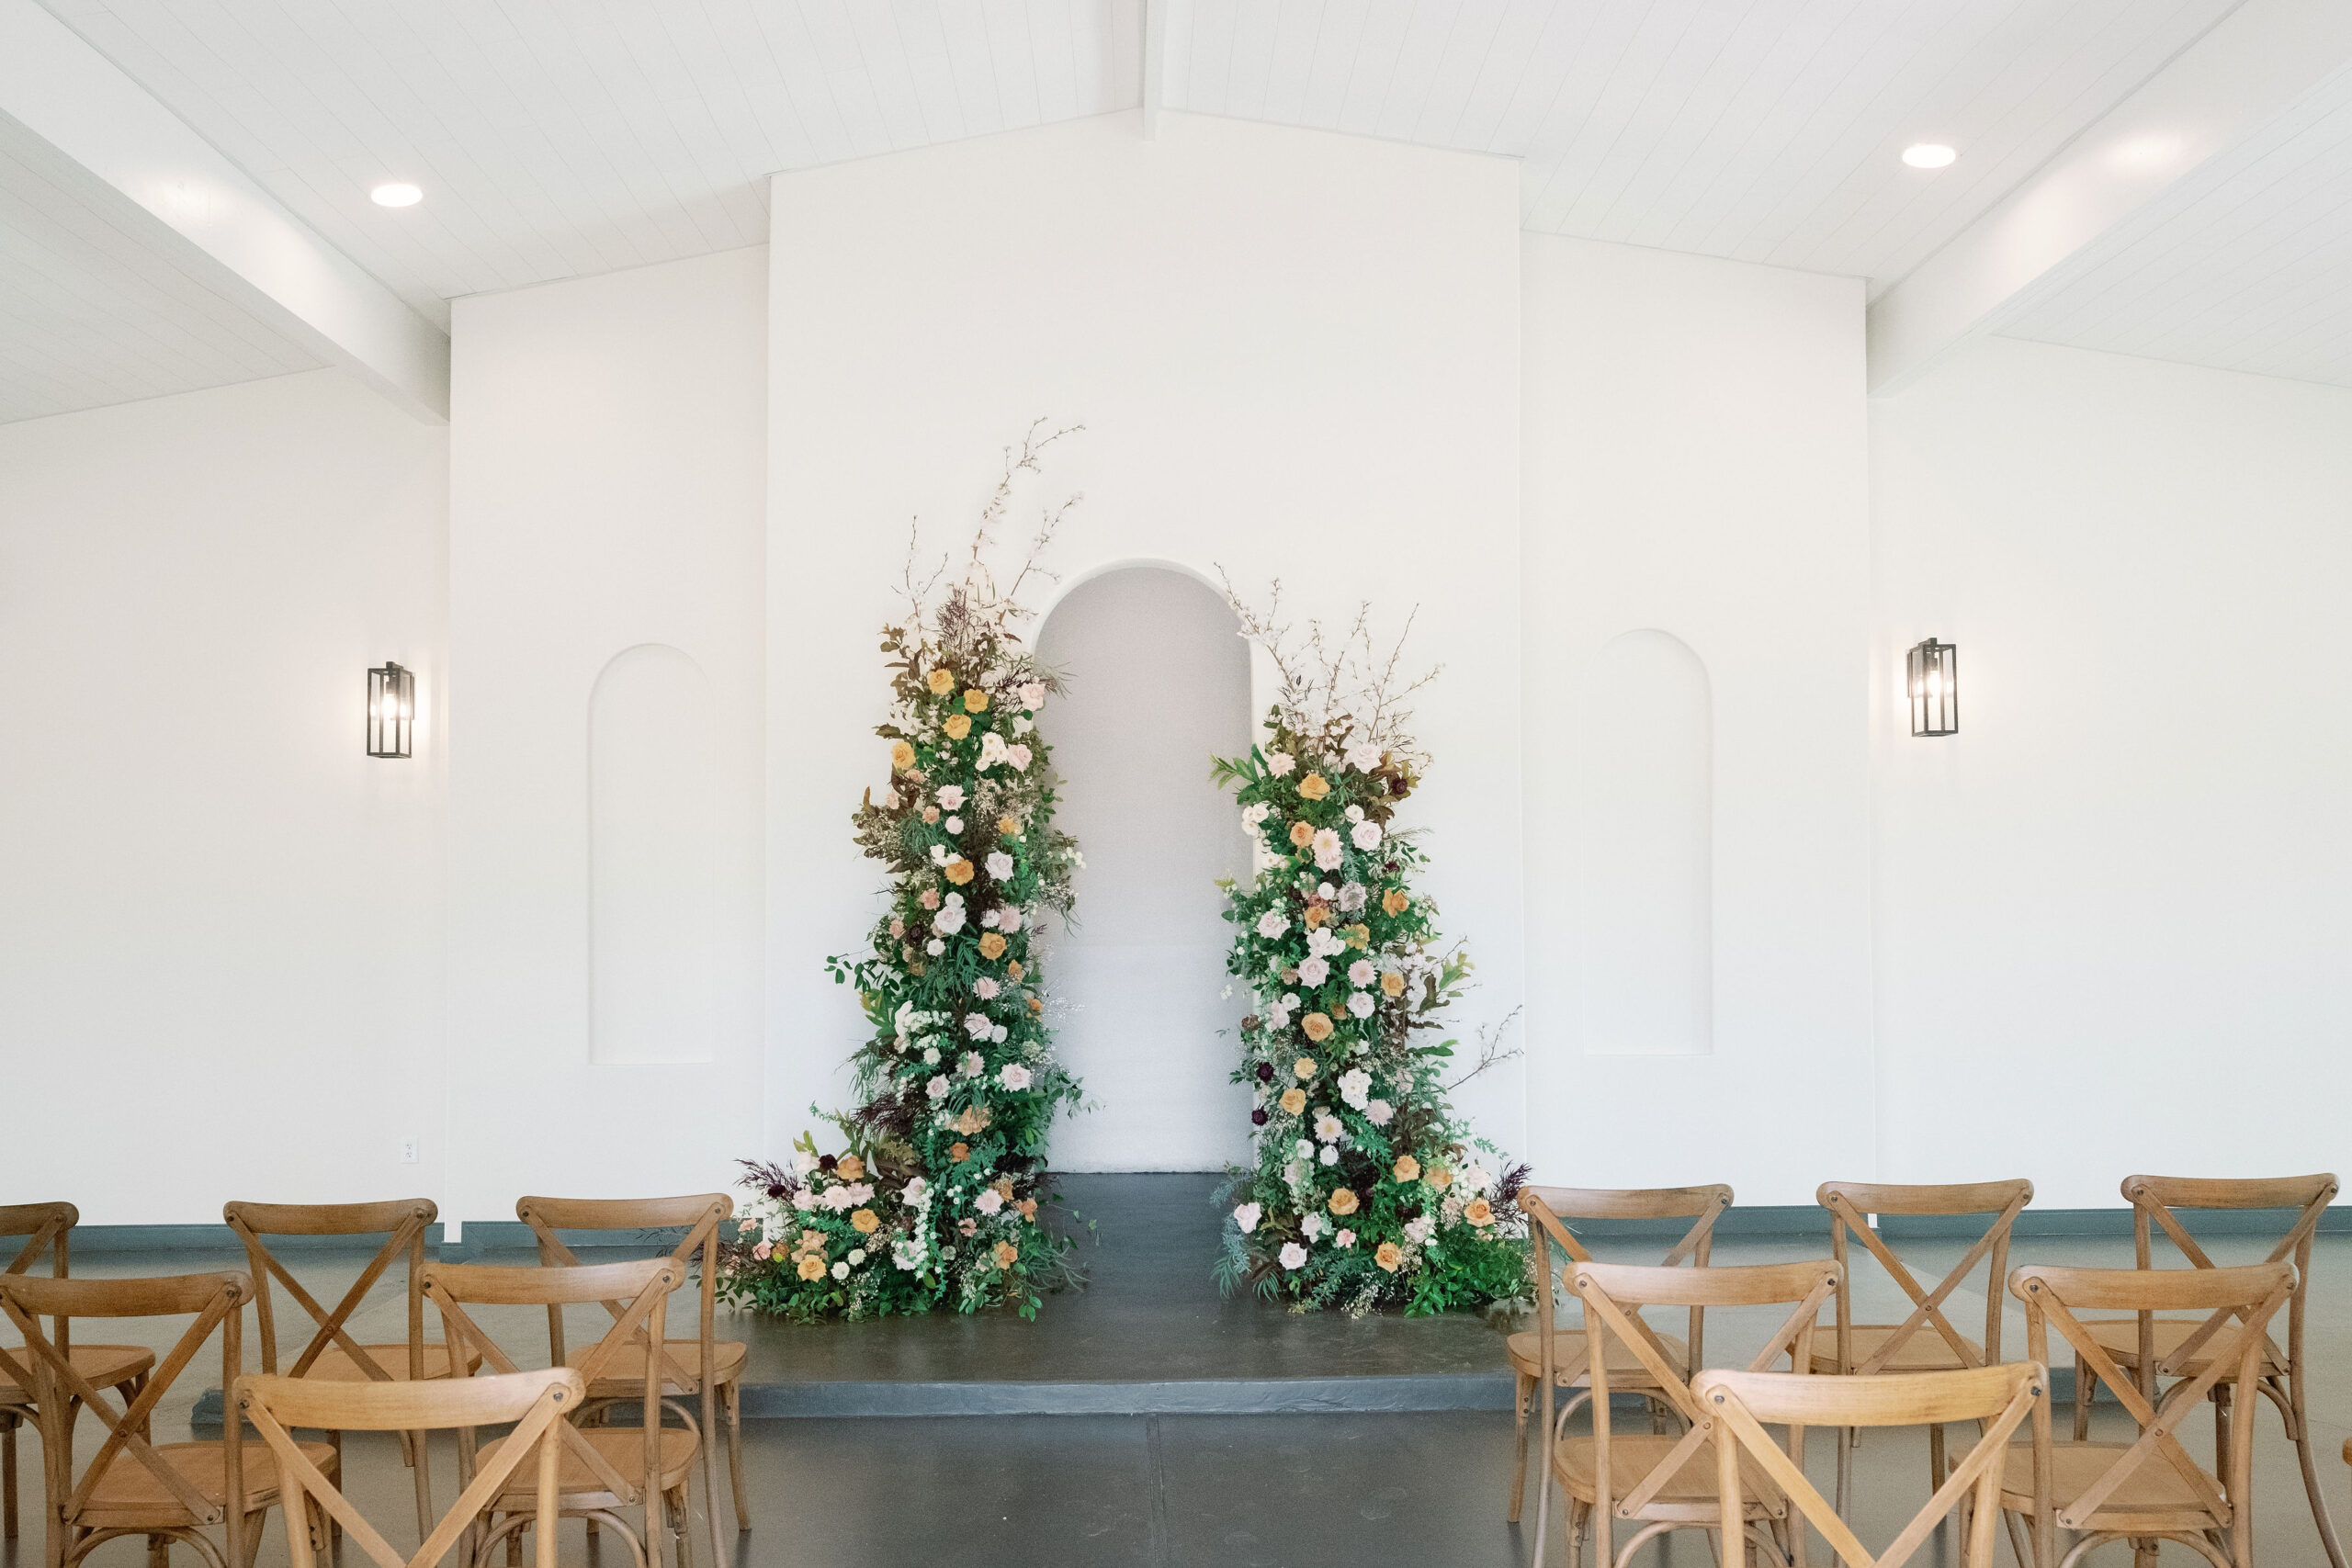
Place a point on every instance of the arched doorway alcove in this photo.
(1159, 682)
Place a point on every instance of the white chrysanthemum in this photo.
(974, 1063)
(984, 988)
(931, 1056)
(1314, 971)
(840, 1270)
(1366, 835)
(1379, 1113)
(1352, 898)
(999, 866)
(1271, 924)
(1293, 1254)
(935, 947)
(1360, 1004)
(1008, 918)
(1361, 972)
(1326, 849)
(1355, 1087)
(1246, 1216)
(1013, 1076)
(856, 1255)
(1279, 763)
(1304, 1148)
(988, 1201)
(1328, 1127)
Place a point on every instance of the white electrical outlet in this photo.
(408, 1151)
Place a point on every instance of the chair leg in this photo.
(2302, 1434)
(732, 1394)
(1524, 1388)
(2086, 1390)
(7, 1477)
(418, 1448)
(159, 1552)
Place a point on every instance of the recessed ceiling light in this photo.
(1929, 155)
(400, 194)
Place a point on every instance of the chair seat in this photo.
(624, 1372)
(1925, 1351)
(335, 1364)
(2120, 1337)
(131, 1495)
(1690, 1494)
(2155, 1496)
(1625, 1369)
(105, 1366)
(623, 1448)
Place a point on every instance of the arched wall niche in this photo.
(653, 866)
(1640, 826)
(1158, 682)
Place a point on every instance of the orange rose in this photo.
(976, 701)
(865, 1222)
(1303, 1068)
(1301, 834)
(1317, 1027)
(850, 1169)
(993, 946)
(1316, 914)
(1008, 828)
(1029, 1209)
(902, 756)
(959, 870)
(1407, 1168)
(1440, 1179)
(1314, 786)
(942, 683)
(1343, 1199)
(960, 1153)
(957, 727)
(1478, 1211)
(1390, 1257)
(1007, 1255)
(1037, 1007)
(1396, 901)
(1392, 985)
(1294, 1100)
(1013, 971)
(811, 1267)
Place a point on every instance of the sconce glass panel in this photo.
(1933, 679)
(391, 711)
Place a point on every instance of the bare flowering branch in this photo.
(1490, 1051)
(1337, 682)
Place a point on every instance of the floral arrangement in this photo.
(1368, 1189)
(934, 1199)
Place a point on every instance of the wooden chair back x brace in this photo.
(1999, 1398)
(47, 1228)
(1866, 1349)
(683, 1360)
(1665, 1483)
(2152, 1348)
(165, 1491)
(2149, 1490)
(330, 1354)
(1550, 1208)
(536, 1402)
(606, 1469)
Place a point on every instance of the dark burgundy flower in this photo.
(1265, 1071)
(1258, 1117)
(825, 1162)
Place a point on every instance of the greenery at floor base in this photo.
(934, 1199)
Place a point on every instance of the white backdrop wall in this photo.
(1694, 444)
(217, 913)
(2119, 889)
(1298, 354)
(606, 466)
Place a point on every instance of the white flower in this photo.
(916, 1188)
(804, 1198)
(985, 988)
(1314, 1225)
(1345, 1239)
(1327, 1127)
(804, 1162)
(856, 1255)
(937, 1088)
(1352, 898)
(993, 752)
(939, 854)
(1032, 695)
(1278, 1019)
(908, 1255)
(935, 947)
(1363, 756)
(1324, 943)
(1314, 970)
(1323, 890)
(988, 1201)
(1279, 763)
(953, 824)
(1008, 918)
(976, 1024)
(1378, 1112)
(950, 798)
(988, 921)
(1360, 973)
(1326, 849)
(1290, 999)
(1306, 1149)
(840, 1270)
(1478, 1179)
(1330, 1154)
(1253, 814)
(1247, 1216)
(931, 1056)
(999, 866)
(1417, 1231)
(1023, 724)
(973, 1066)
(949, 921)
(1271, 924)
(1355, 1085)
(1355, 813)
(1293, 1254)
(1366, 835)
(1012, 1076)
(997, 1034)
(1360, 1004)
(1018, 755)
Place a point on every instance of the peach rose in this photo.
(1008, 828)
(1013, 971)
(930, 814)
(1303, 1069)
(1343, 1200)
(851, 1168)
(1390, 1257)
(959, 870)
(976, 701)
(811, 1265)
(1440, 1179)
(957, 727)
(1316, 914)
(960, 1153)
(902, 756)
(762, 1252)
(1007, 1255)
(1407, 1168)
(992, 947)
(1478, 1211)
(942, 683)
(1392, 985)
(1029, 1209)
(1294, 1100)
(1317, 1027)
(1396, 901)
(1301, 834)
(865, 1222)
(808, 1239)
(1037, 1007)
(1314, 786)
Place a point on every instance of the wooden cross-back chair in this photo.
(330, 1354)
(605, 1469)
(535, 1403)
(1551, 1208)
(1999, 1398)
(683, 1361)
(2151, 1489)
(1657, 1480)
(2151, 1347)
(1924, 1340)
(47, 1229)
(133, 1486)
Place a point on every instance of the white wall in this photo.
(221, 921)
(1694, 443)
(2111, 917)
(1296, 354)
(606, 468)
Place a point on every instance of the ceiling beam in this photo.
(143, 167)
(2241, 74)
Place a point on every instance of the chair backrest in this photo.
(1739, 1403)
(643, 1285)
(2241, 1304)
(1551, 1207)
(700, 1214)
(1852, 1203)
(2153, 1200)
(403, 1223)
(216, 1301)
(45, 1227)
(1614, 1296)
(536, 1402)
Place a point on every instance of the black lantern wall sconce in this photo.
(1933, 679)
(391, 711)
